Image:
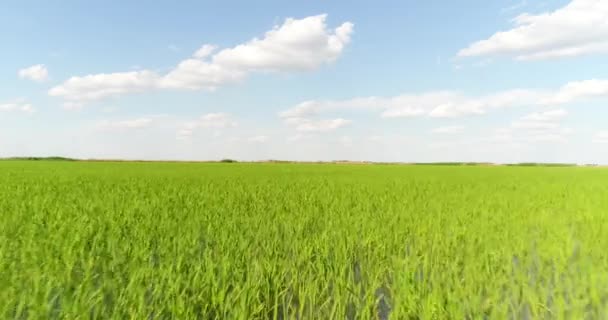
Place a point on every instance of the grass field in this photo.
(83, 240)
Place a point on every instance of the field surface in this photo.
(97, 240)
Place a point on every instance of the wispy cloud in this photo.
(515, 6)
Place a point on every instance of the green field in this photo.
(97, 240)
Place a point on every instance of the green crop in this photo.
(87, 240)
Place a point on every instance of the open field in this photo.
(279, 241)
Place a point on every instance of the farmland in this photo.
(107, 240)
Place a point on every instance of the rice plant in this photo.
(86, 240)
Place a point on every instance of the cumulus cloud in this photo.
(19, 105)
(448, 130)
(580, 27)
(194, 74)
(296, 45)
(36, 73)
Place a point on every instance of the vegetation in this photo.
(228, 161)
(39, 159)
(106, 240)
(452, 164)
(537, 164)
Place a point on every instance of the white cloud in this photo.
(460, 105)
(205, 51)
(437, 104)
(578, 90)
(451, 104)
(579, 28)
(310, 125)
(36, 73)
(80, 90)
(19, 105)
(303, 44)
(193, 74)
(296, 45)
(313, 107)
(601, 137)
(448, 130)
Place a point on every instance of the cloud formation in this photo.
(578, 90)
(579, 28)
(19, 105)
(79, 90)
(296, 45)
(435, 104)
(448, 104)
(38, 73)
(312, 125)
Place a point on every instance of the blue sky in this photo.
(500, 81)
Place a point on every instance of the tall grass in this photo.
(287, 241)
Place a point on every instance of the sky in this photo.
(400, 81)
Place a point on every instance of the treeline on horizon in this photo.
(521, 164)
